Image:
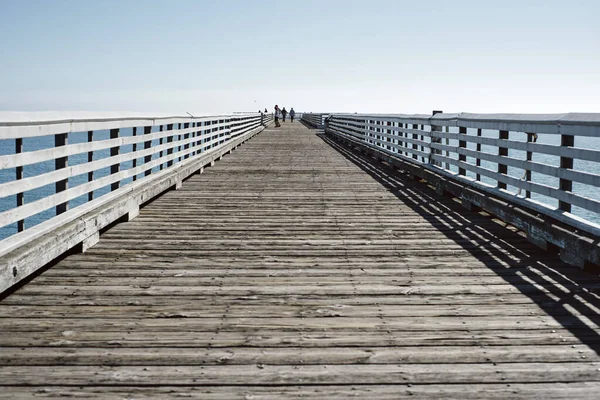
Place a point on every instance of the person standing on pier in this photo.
(277, 115)
(284, 113)
(292, 114)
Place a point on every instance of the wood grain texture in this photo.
(304, 272)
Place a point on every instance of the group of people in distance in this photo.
(282, 113)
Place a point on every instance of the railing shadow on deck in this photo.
(523, 274)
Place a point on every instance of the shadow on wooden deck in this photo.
(565, 293)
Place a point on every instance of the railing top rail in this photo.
(564, 118)
(585, 124)
(17, 118)
(14, 125)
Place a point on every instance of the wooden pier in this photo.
(295, 267)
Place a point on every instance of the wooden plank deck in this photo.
(293, 268)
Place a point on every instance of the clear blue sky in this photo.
(327, 55)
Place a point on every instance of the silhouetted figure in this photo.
(284, 113)
(292, 114)
(277, 115)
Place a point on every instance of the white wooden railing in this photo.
(314, 119)
(548, 165)
(496, 151)
(58, 171)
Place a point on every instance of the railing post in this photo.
(478, 160)
(462, 144)
(179, 140)
(170, 140)
(404, 136)
(447, 151)
(160, 142)
(194, 134)
(388, 139)
(147, 145)
(186, 136)
(502, 152)
(414, 145)
(60, 163)
(434, 139)
(19, 173)
(422, 146)
(200, 136)
(529, 156)
(566, 163)
(114, 151)
(134, 150)
(90, 139)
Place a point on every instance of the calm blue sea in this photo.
(30, 144)
(39, 143)
(589, 191)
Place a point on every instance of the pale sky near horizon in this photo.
(377, 56)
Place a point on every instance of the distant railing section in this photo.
(74, 162)
(549, 160)
(316, 120)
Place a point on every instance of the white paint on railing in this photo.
(413, 138)
(188, 137)
(159, 160)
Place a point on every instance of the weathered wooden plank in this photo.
(276, 280)
(306, 374)
(97, 270)
(347, 288)
(551, 391)
(116, 356)
(286, 338)
(327, 323)
(209, 309)
(474, 301)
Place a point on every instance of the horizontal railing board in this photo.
(399, 146)
(18, 239)
(32, 128)
(33, 182)
(539, 188)
(346, 130)
(576, 176)
(405, 119)
(545, 169)
(37, 156)
(399, 154)
(29, 209)
(395, 146)
(534, 147)
(560, 151)
(397, 129)
(210, 133)
(403, 139)
(582, 124)
(314, 119)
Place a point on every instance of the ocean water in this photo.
(30, 144)
(581, 189)
(592, 143)
(44, 142)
